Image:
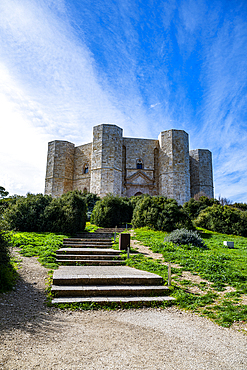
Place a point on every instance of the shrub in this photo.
(160, 213)
(185, 237)
(112, 211)
(194, 207)
(223, 219)
(90, 200)
(66, 214)
(7, 271)
(27, 213)
(37, 213)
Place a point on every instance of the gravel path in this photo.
(34, 336)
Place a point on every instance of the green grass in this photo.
(218, 265)
(41, 245)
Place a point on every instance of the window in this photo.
(85, 169)
(139, 164)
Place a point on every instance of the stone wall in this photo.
(82, 161)
(143, 180)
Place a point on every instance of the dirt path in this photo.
(34, 336)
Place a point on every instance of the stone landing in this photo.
(104, 284)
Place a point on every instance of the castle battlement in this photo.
(130, 166)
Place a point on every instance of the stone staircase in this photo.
(89, 249)
(91, 273)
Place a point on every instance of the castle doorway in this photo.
(138, 193)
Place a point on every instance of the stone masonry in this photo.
(130, 166)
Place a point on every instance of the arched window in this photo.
(85, 170)
(139, 164)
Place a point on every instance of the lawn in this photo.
(224, 269)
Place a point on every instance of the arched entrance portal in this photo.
(138, 193)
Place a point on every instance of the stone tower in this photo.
(106, 166)
(174, 165)
(59, 168)
(201, 173)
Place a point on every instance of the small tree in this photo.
(112, 211)
(223, 219)
(27, 213)
(66, 214)
(160, 213)
(193, 207)
(3, 192)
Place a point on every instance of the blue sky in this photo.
(146, 66)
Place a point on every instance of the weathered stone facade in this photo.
(130, 166)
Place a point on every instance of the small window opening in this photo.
(139, 164)
(85, 169)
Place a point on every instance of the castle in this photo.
(130, 166)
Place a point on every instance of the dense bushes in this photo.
(112, 211)
(185, 237)
(66, 214)
(223, 219)
(194, 207)
(7, 271)
(27, 214)
(160, 213)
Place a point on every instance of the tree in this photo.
(3, 192)
(112, 211)
(160, 213)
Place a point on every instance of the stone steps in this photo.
(109, 291)
(105, 300)
(92, 272)
(87, 262)
(87, 257)
(100, 275)
(92, 251)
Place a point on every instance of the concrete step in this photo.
(95, 235)
(92, 251)
(96, 257)
(88, 262)
(103, 275)
(109, 291)
(105, 300)
(88, 240)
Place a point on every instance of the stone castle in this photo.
(130, 166)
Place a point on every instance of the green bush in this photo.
(66, 214)
(38, 213)
(223, 219)
(194, 207)
(160, 213)
(112, 211)
(27, 213)
(185, 237)
(7, 271)
(90, 199)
